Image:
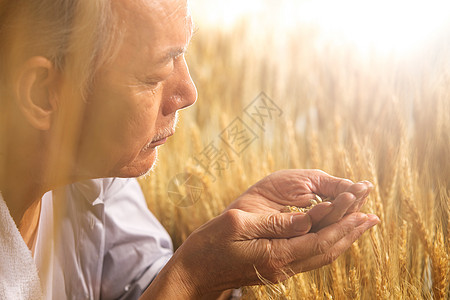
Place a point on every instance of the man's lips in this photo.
(157, 142)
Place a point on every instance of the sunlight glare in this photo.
(383, 25)
(225, 13)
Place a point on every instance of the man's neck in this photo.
(19, 194)
(23, 196)
(20, 180)
(29, 169)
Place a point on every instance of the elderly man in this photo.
(89, 90)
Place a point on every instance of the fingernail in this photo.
(302, 222)
(360, 190)
(368, 184)
(374, 220)
(360, 187)
(361, 218)
(326, 204)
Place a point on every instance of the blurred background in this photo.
(360, 89)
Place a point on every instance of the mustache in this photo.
(168, 130)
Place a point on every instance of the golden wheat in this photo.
(382, 119)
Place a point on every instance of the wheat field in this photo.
(363, 116)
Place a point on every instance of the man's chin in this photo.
(152, 167)
(139, 168)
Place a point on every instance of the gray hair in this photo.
(75, 35)
(78, 37)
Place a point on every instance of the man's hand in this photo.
(253, 235)
(297, 188)
(225, 252)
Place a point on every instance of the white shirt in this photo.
(107, 243)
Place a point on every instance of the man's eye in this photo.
(152, 83)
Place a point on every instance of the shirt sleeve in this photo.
(136, 245)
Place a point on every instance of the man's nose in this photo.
(181, 89)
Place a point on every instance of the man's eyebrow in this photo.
(172, 54)
(177, 51)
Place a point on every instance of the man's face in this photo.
(133, 105)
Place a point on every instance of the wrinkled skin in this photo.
(253, 235)
(298, 187)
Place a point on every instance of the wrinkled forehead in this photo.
(152, 12)
(154, 20)
(150, 28)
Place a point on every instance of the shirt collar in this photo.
(91, 189)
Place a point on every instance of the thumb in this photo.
(277, 225)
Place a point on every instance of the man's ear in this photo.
(36, 91)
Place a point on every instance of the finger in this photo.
(318, 212)
(337, 248)
(340, 207)
(275, 226)
(364, 198)
(318, 243)
(361, 190)
(326, 185)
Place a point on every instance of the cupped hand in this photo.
(225, 252)
(252, 234)
(297, 187)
